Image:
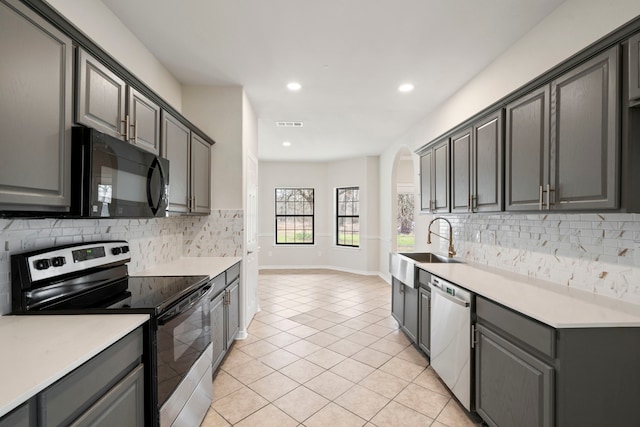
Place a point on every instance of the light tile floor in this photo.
(325, 351)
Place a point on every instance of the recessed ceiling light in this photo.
(294, 86)
(286, 144)
(407, 87)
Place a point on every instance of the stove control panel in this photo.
(70, 259)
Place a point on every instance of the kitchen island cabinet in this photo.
(404, 308)
(36, 97)
(93, 370)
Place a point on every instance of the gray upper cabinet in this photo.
(176, 142)
(585, 136)
(190, 167)
(144, 121)
(634, 70)
(487, 164)
(425, 181)
(106, 103)
(434, 176)
(200, 175)
(461, 171)
(36, 101)
(476, 166)
(527, 150)
(101, 97)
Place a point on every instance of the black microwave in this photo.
(112, 178)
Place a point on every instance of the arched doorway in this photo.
(404, 199)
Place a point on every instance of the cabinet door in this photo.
(233, 311)
(23, 416)
(35, 119)
(440, 185)
(513, 388)
(218, 339)
(100, 97)
(424, 337)
(123, 405)
(200, 175)
(144, 121)
(410, 321)
(487, 161)
(527, 150)
(585, 135)
(426, 160)
(634, 68)
(460, 172)
(397, 300)
(176, 140)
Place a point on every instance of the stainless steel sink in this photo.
(402, 265)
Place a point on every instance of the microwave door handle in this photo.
(154, 165)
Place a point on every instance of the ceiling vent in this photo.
(289, 124)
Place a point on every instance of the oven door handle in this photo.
(179, 308)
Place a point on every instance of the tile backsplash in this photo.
(599, 253)
(152, 241)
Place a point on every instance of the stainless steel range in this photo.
(93, 278)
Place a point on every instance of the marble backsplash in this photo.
(599, 253)
(152, 241)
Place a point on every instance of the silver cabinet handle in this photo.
(126, 127)
(135, 131)
(540, 200)
(549, 191)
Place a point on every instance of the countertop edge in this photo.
(178, 266)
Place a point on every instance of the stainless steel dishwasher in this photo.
(451, 337)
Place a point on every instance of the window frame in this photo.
(339, 216)
(312, 215)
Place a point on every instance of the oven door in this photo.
(184, 333)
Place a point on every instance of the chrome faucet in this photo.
(452, 251)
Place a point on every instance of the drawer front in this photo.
(533, 333)
(72, 395)
(233, 273)
(424, 278)
(23, 416)
(218, 283)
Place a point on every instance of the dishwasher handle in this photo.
(436, 289)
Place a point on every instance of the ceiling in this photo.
(350, 56)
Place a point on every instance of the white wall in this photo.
(218, 111)
(97, 21)
(570, 28)
(324, 177)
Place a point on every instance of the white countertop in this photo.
(556, 305)
(39, 350)
(192, 266)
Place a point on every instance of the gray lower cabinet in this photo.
(435, 178)
(513, 388)
(424, 337)
(105, 102)
(530, 374)
(36, 104)
(190, 160)
(404, 308)
(225, 312)
(22, 416)
(634, 70)
(106, 391)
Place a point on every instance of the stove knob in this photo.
(58, 261)
(125, 249)
(116, 251)
(42, 264)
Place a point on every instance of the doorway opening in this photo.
(404, 200)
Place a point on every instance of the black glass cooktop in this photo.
(160, 292)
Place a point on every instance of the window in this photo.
(405, 222)
(348, 216)
(294, 216)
